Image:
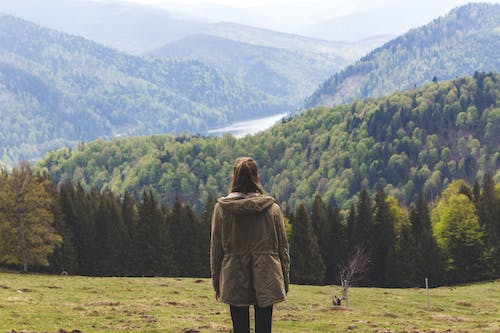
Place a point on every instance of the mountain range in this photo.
(57, 89)
(408, 142)
(464, 41)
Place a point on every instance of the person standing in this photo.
(249, 254)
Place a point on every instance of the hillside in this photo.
(45, 303)
(57, 89)
(465, 40)
(284, 73)
(420, 139)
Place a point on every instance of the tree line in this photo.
(67, 228)
(406, 143)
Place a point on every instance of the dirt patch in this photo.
(52, 287)
(448, 318)
(108, 303)
(199, 281)
(463, 303)
(4, 287)
(191, 330)
(337, 308)
(24, 290)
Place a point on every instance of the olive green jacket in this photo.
(249, 255)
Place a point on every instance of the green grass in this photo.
(43, 303)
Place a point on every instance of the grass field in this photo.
(43, 303)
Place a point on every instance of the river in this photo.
(240, 129)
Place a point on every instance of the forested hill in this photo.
(420, 139)
(465, 40)
(57, 89)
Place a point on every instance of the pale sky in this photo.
(230, 3)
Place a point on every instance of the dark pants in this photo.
(241, 319)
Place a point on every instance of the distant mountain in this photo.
(465, 40)
(125, 26)
(283, 65)
(378, 18)
(417, 140)
(57, 89)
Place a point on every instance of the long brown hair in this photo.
(245, 176)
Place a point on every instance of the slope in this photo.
(465, 40)
(417, 140)
(57, 89)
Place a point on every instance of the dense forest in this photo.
(406, 143)
(464, 41)
(57, 89)
(69, 229)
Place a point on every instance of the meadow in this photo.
(48, 303)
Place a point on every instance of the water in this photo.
(240, 129)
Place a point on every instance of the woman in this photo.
(249, 256)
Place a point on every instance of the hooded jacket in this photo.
(249, 255)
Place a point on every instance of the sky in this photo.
(233, 3)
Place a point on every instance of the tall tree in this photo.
(336, 246)
(27, 235)
(487, 209)
(306, 267)
(321, 226)
(460, 237)
(427, 258)
(383, 241)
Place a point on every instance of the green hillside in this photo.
(465, 40)
(420, 139)
(57, 89)
(49, 303)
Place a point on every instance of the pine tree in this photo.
(337, 245)
(307, 267)
(321, 226)
(428, 258)
(383, 241)
(154, 253)
(65, 257)
(487, 207)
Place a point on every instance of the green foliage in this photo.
(306, 264)
(59, 90)
(460, 236)
(27, 235)
(464, 41)
(404, 143)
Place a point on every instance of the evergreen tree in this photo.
(307, 267)
(487, 208)
(337, 245)
(383, 241)
(427, 258)
(182, 225)
(321, 227)
(154, 253)
(404, 265)
(65, 257)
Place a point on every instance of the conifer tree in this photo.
(383, 241)
(65, 257)
(154, 253)
(428, 258)
(487, 209)
(337, 245)
(307, 267)
(403, 268)
(321, 226)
